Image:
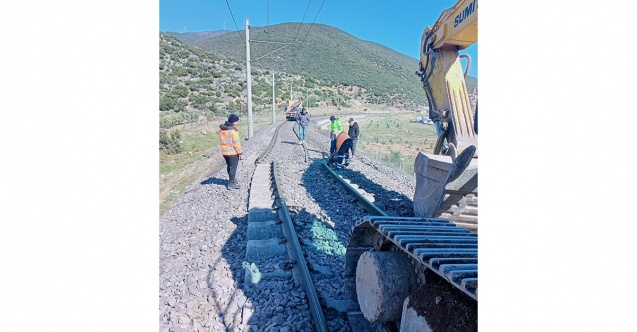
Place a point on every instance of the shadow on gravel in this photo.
(222, 297)
(393, 202)
(325, 154)
(221, 182)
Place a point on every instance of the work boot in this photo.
(234, 185)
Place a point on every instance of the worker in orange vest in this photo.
(231, 148)
(340, 150)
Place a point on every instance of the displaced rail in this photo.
(433, 245)
(259, 201)
(268, 150)
(297, 256)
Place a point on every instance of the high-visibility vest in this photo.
(336, 126)
(230, 142)
(340, 139)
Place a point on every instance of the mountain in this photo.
(193, 37)
(194, 83)
(318, 64)
(329, 54)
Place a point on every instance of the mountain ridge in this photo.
(324, 53)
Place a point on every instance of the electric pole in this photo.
(273, 117)
(249, 81)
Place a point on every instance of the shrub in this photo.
(179, 71)
(170, 142)
(395, 156)
(180, 91)
(167, 102)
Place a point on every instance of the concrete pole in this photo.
(249, 81)
(273, 113)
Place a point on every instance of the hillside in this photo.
(193, 37)
(325, 67)
(194, 83)
(329, 54)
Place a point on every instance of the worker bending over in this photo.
(339, 150)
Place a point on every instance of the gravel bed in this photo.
(203, 241)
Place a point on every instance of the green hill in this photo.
(203, 76)
(195, 83)
(193, 37)
(329, 54)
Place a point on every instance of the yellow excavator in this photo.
(421, 273)
(447, 183)
(443, 78)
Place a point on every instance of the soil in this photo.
(455, 311)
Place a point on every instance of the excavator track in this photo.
(441, 246)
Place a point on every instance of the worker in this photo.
(335, 127)
(231, 148)
(340, 150)
(303, 120)
(353, 133)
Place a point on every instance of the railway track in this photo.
(298, 225)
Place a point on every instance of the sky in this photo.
(396, 24)
(79, 205)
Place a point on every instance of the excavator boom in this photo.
(443, 78)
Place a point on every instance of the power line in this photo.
(235, 22)
(310, 28)
(299, 29)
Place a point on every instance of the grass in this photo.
(396, 146)
(200, 156)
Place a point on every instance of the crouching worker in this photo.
(231, 148)
(339, 150)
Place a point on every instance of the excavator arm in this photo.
(443, 78)
(391, 262)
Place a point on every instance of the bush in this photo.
(180, 91)
(170, 142)
(179, 71)
(167, 102)
(395, 156)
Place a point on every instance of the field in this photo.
(391, 138)
(395, 140)
(200, 156)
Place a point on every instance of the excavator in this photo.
(421, 273)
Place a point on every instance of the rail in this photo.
(297, 255)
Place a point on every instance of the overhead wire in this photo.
(299, 29)
(308, 30)
(268, 20)
(235, 22)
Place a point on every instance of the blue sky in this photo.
(395, 24)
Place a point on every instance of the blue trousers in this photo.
(343, 153)
(302, 131)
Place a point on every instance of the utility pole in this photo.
(291, 82)
(273, 117)
(249, 81)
